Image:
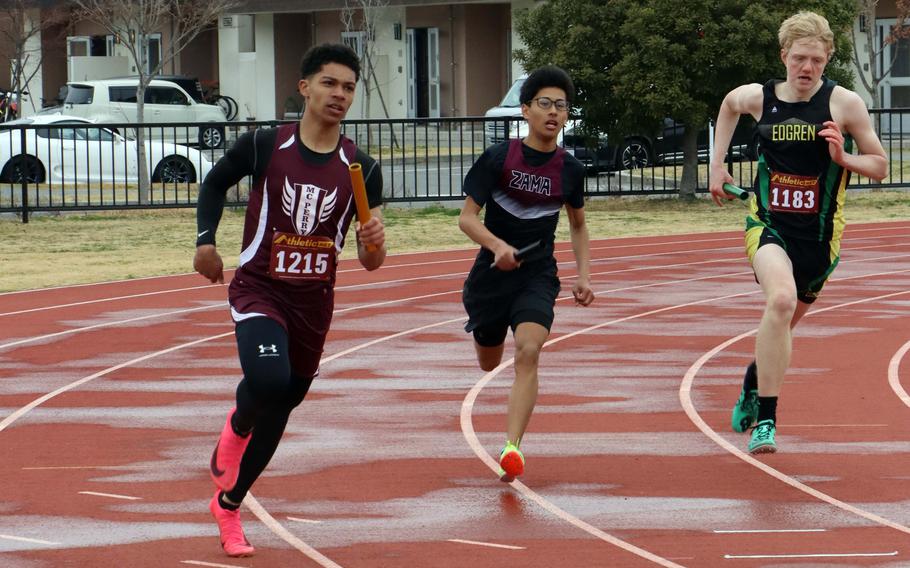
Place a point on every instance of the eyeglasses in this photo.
(546, 102)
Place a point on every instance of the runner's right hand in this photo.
(208, 263)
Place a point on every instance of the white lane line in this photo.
(489, 544)
(211, 564)
(471, 250)
(685, 398)
(109, 299)
(286, 535)
(893, 374)
(830, 555)
(16, 415)
(31, 540)
(111, 495)
(202, 308)
(762, 531)
(467, 429)
(105, 324)
(299, 520)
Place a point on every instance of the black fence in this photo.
(55, 164)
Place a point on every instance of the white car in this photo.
(60, 148)
(113, 101)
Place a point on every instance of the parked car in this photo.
(662, 148)
(114, 101)
(508, 108)
(73, 149)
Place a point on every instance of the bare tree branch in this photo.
(132, 21)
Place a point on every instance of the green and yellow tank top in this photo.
(799, 188)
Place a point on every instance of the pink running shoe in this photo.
(225, 465)
(233, 541)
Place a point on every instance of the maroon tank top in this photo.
(298, 214)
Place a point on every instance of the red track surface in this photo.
(119, 389)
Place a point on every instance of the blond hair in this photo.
(806, 25)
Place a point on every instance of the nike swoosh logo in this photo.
(202, 233)
(214, 465)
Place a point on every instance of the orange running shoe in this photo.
(511, 463)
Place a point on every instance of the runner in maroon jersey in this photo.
(523, 183)
(282, 295)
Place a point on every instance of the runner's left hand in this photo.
(583, 293)
(835, 138)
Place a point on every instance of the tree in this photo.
(875, 53)
(22, 23)
(636, 62)
(132, 22)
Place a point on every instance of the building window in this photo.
(354, 40)
(246, 33)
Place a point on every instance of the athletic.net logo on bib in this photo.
(791, 193)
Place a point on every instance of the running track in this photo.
(111, 396)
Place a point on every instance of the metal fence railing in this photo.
(55, 164)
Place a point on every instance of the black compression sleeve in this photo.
(237, 163)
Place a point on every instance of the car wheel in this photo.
(23, 169)
(211, 137)
(174, 169)
(635, 154)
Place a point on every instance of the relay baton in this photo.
(360, 197)
(736, 191)
(523, 251)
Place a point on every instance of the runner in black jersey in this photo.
(523, 184)
(282, 294)
(807, 125)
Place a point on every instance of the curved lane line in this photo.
(893, 378)
(685, 398)
(467, 429)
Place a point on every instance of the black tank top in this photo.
(799, 188)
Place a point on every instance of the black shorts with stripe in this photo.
(496, 300)
(813, 261)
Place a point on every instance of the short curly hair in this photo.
(316, 57)
(543, 77)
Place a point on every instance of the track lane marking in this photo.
(893, 374)
(111, 495)
(685, 398)
(489, 544)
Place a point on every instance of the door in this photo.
(895, 88)
(412, 72)
(433, 71)
(76, 46)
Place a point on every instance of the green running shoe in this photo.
(745, 413)
(511, 463)
(762, 441)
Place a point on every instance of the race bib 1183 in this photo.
(790, 193)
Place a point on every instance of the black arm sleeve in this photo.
(237, 163)
(372, 178)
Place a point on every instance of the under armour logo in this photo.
(272, 349)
